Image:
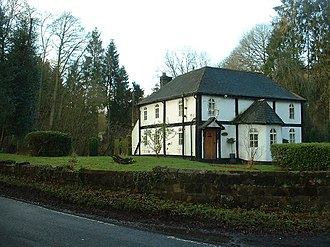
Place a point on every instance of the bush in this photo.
(302, 156)
(93, 146)
(49, 143)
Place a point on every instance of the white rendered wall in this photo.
(244, 142)
(172, 110)
(135, 136)
(227, 148)
(282, 110)
(224, 108)
(278, 130)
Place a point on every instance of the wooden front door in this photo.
(210, 144)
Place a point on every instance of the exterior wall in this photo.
(278, 130)
(227, 148)
(151, 119)
(243, 104)
(297, 131)
(225, 113)
(224, 108)
(172, 110)
(135, 136)
(282, 110)
(245, 152)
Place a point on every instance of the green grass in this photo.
(143, 163)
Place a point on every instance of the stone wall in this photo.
(296, 191)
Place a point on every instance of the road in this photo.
(23, 224)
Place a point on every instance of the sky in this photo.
(143, 30)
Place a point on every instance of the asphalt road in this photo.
(23, 224)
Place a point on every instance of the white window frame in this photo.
(253, 137)
(272, 136)
(145, 113)
(180, 137)
(157, 111)
(291, 111)
(211, 107)
(180, 105)
(292, 136)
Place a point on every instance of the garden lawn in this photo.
(143, 163)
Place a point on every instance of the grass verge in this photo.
(143, 163)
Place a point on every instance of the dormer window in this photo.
(145, 113)
(291, 111)
(211, 107)
(157, 111)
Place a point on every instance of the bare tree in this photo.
(183, 61)
(68, 41)
(251, 52)
(154, 138)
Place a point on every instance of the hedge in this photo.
(49, 143)
(302, 156)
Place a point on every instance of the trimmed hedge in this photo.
(302, 156)
(49, 143)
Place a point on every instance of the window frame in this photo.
(272, 136)
(292, 135)
(157, 111)
(145, 113)
(180, 107)
(253, 138)
(291, 111)
(211, 107)
(180, 136)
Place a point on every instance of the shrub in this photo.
(49, 143)
(93, 146)
(302, 156)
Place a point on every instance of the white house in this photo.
(216, 114)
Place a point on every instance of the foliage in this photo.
(48, 143)
(302, 156)
(251, 52)
(93, 146)
(298, 58)
(150, 206)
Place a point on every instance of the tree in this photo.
(18, 67)
(180, 62)
(251, 52)
(298, 58)
(69, 38)
(155, 137)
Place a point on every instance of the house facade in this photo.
(216, 114)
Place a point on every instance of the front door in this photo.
(210, 144)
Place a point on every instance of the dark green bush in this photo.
(49, 143)
(93, 146)
(302, 156)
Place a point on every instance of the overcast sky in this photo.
(143, 30)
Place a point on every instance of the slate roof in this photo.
(259, 113)
(217, 81)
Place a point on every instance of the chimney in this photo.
(164, 79)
